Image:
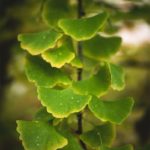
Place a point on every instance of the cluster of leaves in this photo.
(52, 64)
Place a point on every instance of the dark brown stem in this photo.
(80, 129)
(79, 73)
(79, 51)
(81, 12)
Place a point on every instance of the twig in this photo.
(79, 73)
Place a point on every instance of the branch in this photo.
(79, 73)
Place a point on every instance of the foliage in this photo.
(68, 45)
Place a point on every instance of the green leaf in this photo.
(96, 85)
(99, 48)
(76, 62)
(100, 135)
(73, 143)
(113, 111)
(62, 103)
(117, 77)
(126, 147)
(83, 29)
(37, 43)
(58, 56)
(43, 115)
(42, 74)
(90, 64)
(54, 10)
(36, 135)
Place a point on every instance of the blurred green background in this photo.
(128, 18)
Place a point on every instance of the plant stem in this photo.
(79, 131)
(79, 73)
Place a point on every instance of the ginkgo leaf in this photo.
(126, 147)
(90, 64)
(43, 115)
(83, 29)
(73, 143)
(117, 77)
(41, 73)
(96, 85)
(99, 48)
(58, 56)
(36, 135)
(62, 103)
(113, 111)
(54, 10)
(76, 62)
(37, 43)
(100, 135)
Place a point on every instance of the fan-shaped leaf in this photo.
(61, 103)
(117, 77)
(99, 47)
(83, 29)
(54, 10)
(76, 62)
(113, 111)
(90, 64)
(96, 85)
(43, 74)
(73, 143)
(103, 134)
(58, 56)
(43, 115)
(37, 43)
(36, 135)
